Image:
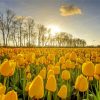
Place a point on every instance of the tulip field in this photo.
(49, 73)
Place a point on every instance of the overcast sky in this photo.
(81, 18)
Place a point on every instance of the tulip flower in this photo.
(2, 89)
(88, 69)
(97, 69)
(51, 84)
(11, 95)
(50, 72)
(62, 93)
(81, 83)
(65, 75)
(69, 64)
(7, 68)
(73, 56)
(36, 88)
(56, 70)
(62, 60)
(43, 73)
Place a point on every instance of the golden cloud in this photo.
(69, 10)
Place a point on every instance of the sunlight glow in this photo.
(54, 29)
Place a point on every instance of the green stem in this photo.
(78, 96)
(5, 79)
(49, 96)
(87, 94)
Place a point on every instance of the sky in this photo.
(81, 18)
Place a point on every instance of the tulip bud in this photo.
(88, 69)
(43, 73)
(11, 95)
(7, 68)
(62, 93)
(65, 75)
(81, 83)
(73, 56)
(2, 89)
(36, 88)
(50, 72)
(97, 69)
(62, 60)
(56, 70)
(51, 84)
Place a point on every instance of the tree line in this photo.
(21, 31)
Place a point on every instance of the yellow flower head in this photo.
(56, 70)
(63, 66)
(62, 60)
(50, 67)
(43, 73)
(70, 64)
(65, 75)
(7, 68)
(97, 69)
(51, 84)
(73, 56)
(36, 88)
(50, 72)
(11, 95)
(2, 89)
(62, 93)
(88, 69)
(81, 83)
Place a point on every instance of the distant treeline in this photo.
(22, 31)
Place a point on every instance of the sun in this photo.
(54, 29)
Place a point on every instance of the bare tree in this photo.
(9, 17)
(2, 28)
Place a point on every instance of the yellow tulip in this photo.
(70, 64)
(20, 60)
(7, 68)
(62, 93)
(43, 73)
(65, 75)
(97, 69)
(50, 72)
(51, 84)
(81, 83)
(63, 66)
(36, 88)
(88, 69)
(11, 95)
(73, 56)
(62, 60)
(50, 67)
(2, 89)
(56, 70)
(98, 59)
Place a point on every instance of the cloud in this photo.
(69, 10)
